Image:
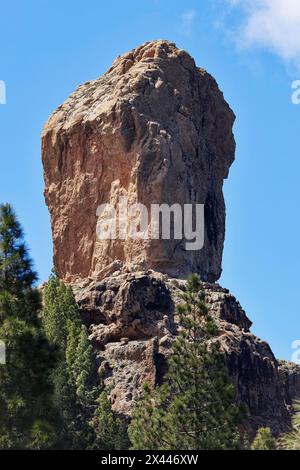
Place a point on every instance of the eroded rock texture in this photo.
(133, 322)
(155, 129)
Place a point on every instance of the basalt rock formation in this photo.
(154, 129)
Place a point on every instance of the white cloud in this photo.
(273, 24)
(187, 21)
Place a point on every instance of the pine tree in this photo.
(85, 372)
(291, 440)
(42, 435)
(60, 308)
(110, 431)
(148, 428)
(17, 276)
(85, 415)
(264, 440)
(83, 386)
(75, 377)
(75, 380)
(65, 405)
(195, 407)
(25, 388)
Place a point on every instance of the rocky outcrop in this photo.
(154, 129)
(133, 322)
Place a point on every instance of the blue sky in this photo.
(252, 48)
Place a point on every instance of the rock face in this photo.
(133, 322)
(154, 129)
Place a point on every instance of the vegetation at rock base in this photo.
(110, 431)
(264, 440)
(195, 406)
(86, 419)
(26, 411)
(59, 310)
(50, 392)
(291, 440)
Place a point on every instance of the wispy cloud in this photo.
(271, 24)
(187, 20)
